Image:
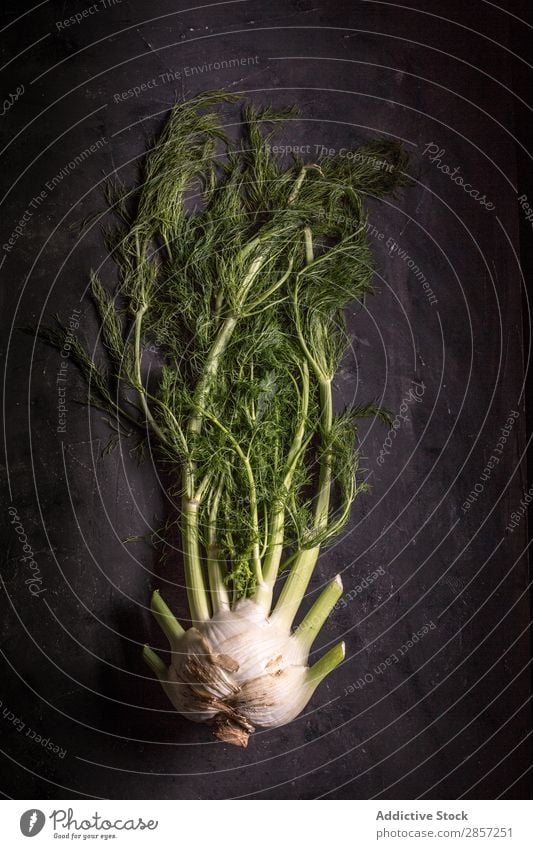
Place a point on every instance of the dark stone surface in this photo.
(451, 717)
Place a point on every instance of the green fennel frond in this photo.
(235, 267)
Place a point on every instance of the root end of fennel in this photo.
(235, 267)
(240, 671)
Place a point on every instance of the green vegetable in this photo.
(238, 266)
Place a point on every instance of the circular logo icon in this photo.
(32, 822)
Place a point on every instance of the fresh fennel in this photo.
(238, 266)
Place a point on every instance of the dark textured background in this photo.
(452, 718)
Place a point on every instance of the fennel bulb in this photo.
(237, 266)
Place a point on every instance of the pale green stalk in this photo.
(194, 578)
(196, 593)
(211, 367)
(155, 663)
(314, 619)
(277, 524)
(219, 593)
(166, 619)
(297, 582)
(327, 664)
